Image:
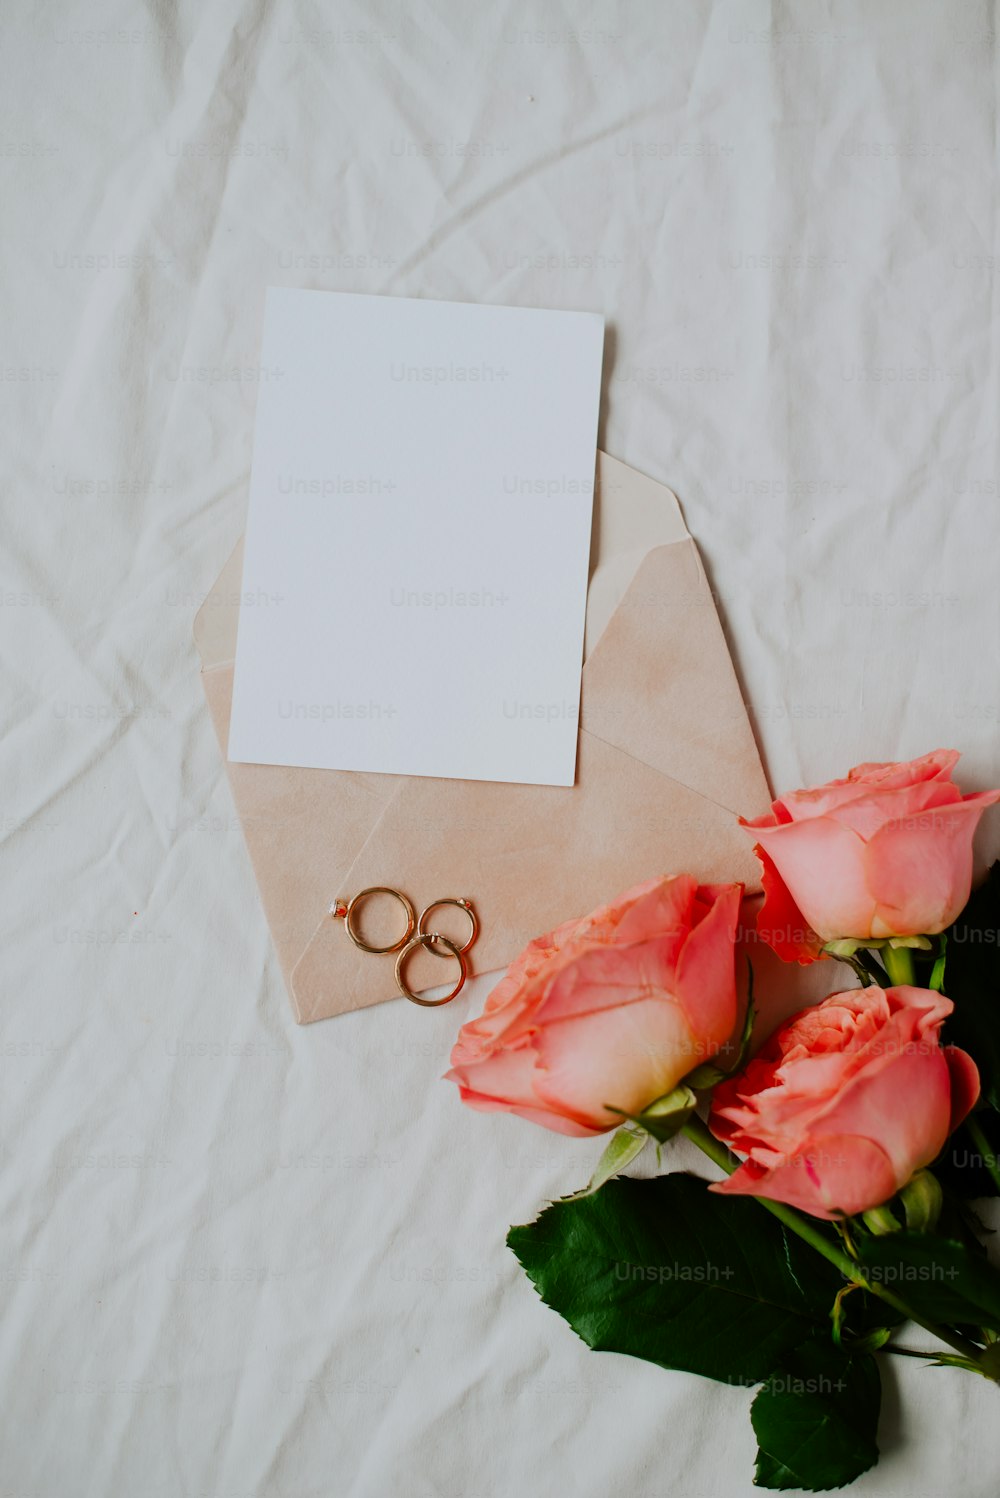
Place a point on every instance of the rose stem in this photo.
(898, 964)
(983, 1145)
(698, 1133)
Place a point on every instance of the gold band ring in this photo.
(430, 939)
(462, 904)
(344, 911)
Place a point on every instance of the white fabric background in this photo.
(240, 1258)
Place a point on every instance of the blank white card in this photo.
(417, 543)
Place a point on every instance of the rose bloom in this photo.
(886, 852)
(845, 1102)
(615, 1009)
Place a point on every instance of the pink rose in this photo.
(845, 1102)
(886, 852)
(615, 1009)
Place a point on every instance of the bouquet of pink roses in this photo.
(829, 1229)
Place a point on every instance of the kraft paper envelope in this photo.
(666, 761)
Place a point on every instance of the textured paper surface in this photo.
(420, 502)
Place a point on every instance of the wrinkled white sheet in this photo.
(239, 1258)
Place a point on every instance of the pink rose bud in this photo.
(607, 1012)
(886, 852)
(845, 1102)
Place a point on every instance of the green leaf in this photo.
(938, 1277)
(972, 982)
(665, 1270)
(815, 1419)
(666, 1117)
(622, 1148)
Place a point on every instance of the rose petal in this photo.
(507, 1075)
(816, 801)
(624, 1057)
(834, 1176)
(965, 1084)
(937, 765)
(869, 813)
(920, 868)
(604, 924)
(665, 910)
(780, 922)
(903, 1101)
(822, 864)
(554, 1121)
(706, 971)
(608, 977)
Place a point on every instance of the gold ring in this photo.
(430, 939)
(344, 910)
(463, 904)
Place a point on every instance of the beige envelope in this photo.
(666, 762)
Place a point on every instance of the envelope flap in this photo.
(632, 513)
(660, 684)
